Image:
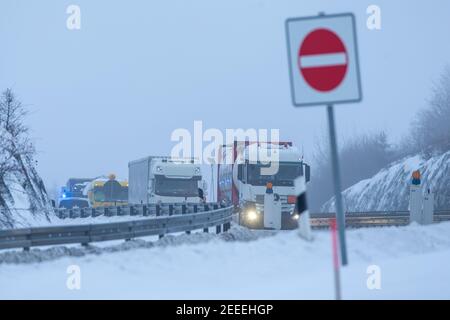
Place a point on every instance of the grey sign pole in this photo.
(307, 90)
(340, 218)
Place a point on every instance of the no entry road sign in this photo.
(323, 60)
(324, 70)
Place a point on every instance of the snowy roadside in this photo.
(236, 233)
(414, 263)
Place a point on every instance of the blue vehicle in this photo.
(72, 194)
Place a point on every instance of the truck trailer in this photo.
(243, 185)
(158, 179)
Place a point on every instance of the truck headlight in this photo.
(295, 216)
(252, 215)
(197, 170)
(159, 169)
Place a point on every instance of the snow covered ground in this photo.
(414, 262)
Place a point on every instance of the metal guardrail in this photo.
(168, 219)
(136, 210)
(84, 234)
(372, 219)
(318, 220)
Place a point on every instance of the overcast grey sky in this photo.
(116, 89)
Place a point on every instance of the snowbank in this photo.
(236, 233)
(414, 263)
(388, 190)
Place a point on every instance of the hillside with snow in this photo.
(389, 188)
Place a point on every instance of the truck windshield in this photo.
(287, 173)
(175, 187)
(77, 190)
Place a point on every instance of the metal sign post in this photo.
(324, 70)
(337, 276)
(337, 185)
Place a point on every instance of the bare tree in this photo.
(360, 158)
(430, 131)
(14, 140)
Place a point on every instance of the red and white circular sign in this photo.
(323, 60)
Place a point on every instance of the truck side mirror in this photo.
(240, 169)
(307, 173)
(53, 203)
(201, 194)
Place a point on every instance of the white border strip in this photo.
(323, 60)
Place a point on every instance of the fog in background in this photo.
(116, 89)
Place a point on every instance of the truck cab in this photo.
(74, 188)
(243, 183)
(107, 192)
(71, 195)
(164, 180)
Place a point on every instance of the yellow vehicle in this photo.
(108, 192)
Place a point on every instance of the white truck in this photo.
(243, 185)
(158, 179)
